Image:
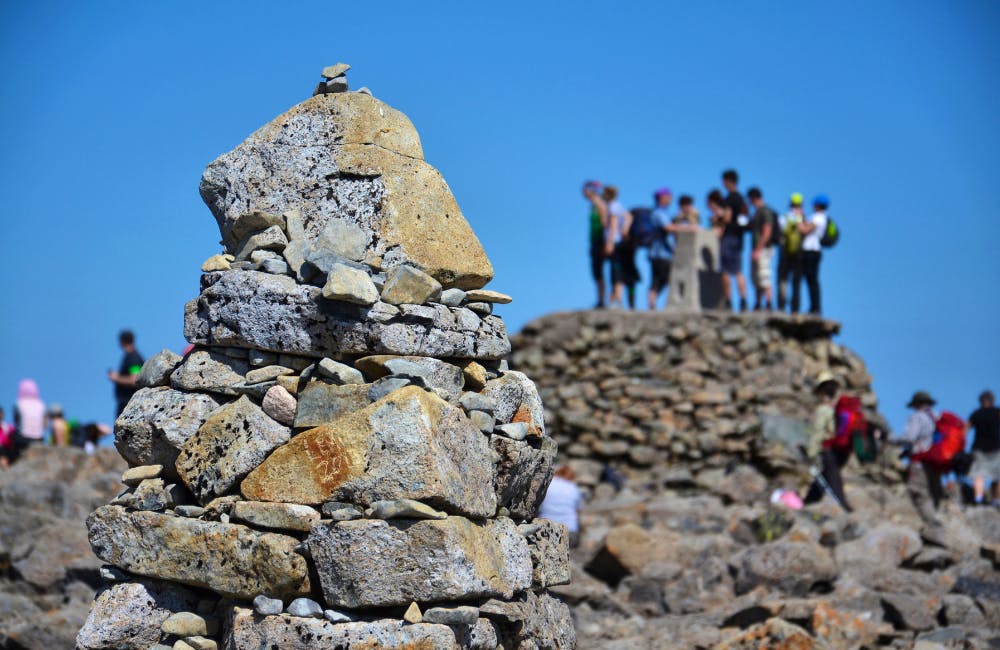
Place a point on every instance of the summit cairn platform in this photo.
(332, 465)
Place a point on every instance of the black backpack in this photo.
(832, 234)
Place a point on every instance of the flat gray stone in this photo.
(250, 309)
(334, 616)
(156, 371)
(339, 511)
(247, 630)
(403, 508)
(335, 70)
(135, 475)
(235, 439)
(280, 516)
(246, 224)
(477, 402)
(189, 511)
(276, 267)
(483, 421)
(448, 559)
(230, 559)
(209, 372)
(339, 372)
(267, 373)
(189, 624)
(463, 615)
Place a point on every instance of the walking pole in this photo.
(817, 474)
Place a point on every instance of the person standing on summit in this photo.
(731, 244)
(764, 230)
(812, 235)
(598, 223)
(620, 247)
(128, 371)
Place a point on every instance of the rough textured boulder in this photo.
(157, 422)
(410, 444)
(230, 560)
(128, 615)
(431, 560)
(234, 440)
(349, 149)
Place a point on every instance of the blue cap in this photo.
(822, 200)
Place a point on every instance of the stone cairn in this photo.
(343, 460)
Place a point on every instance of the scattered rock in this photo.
(405, 284)
(157, 369)
(403, 508)
(306, 608)
(279, 405)
(349, 284)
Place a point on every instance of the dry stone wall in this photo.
(668, 397)
(344, 460)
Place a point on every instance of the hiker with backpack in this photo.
(790, 248)
(835, 422)
(935, 441)
(813, 231)
(763, 228)
(734, 224)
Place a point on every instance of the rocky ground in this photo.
(719, 567)
(702, 415)
(48, 573)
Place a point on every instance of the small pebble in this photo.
(334, 616)
(306, 608)
(267, 606)
(514, 430)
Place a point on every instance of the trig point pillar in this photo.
(695, 281)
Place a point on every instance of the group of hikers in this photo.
(936, 441)
(616, 234)
(35, 423)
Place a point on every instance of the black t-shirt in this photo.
(737, 206)
(986, 422)
(131, 365)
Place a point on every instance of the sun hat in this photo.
(822, 199)
(663, 191)
(920, 398)
(795, 199)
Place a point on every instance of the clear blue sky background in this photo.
(109, 111)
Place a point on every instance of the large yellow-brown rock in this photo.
(348, 158)
(410, 444)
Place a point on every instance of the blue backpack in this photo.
(643, 231)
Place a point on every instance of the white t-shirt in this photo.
(561, 503)
(617, 212)
(811, 241)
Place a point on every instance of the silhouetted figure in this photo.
(128, 371)
(985, 422)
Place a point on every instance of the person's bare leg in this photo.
(601, 288)
(616, 293)
(727, 288)
(979, 487)
(653, 297)
(741, 284)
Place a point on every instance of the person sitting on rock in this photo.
(562, 503)
(824, 429)
(58, 427)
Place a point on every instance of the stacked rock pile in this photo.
(344, 460)
(670, 399)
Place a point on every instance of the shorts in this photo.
(660, 270)
(985, 464)
(731, 254)
(623, 268)
(762, 268)
(597, 259)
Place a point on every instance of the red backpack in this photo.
(949, 439)
(850, 421)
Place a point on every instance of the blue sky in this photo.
(109, 111)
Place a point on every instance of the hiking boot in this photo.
(743, 305)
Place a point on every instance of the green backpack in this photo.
(832, 234)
